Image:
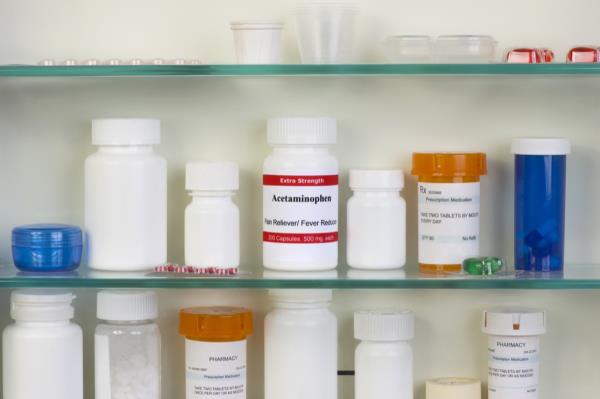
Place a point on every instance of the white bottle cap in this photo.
(41, 305)
(514, 322)
(382, 325)
(540, 146)
(212, 176)
(301, 131)
(126, 305)
(301, 296)
(453, 388)
(125, 131)
(376, 179)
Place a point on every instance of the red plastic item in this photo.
(529, 56)
(583, 54)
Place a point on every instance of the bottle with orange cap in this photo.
(215, 351)
(448, 208)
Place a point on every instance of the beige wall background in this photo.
(45, 137)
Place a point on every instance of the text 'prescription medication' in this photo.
(513, 352)
(540, 190)
(449, 205)
(215, 351)
(300, 195)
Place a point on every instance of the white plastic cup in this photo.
(469, 49)
(326, 31)
(257, 42)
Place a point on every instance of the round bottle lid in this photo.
(47, 235)
(212, 176)
(215, 323)
(376, 179)
(514, 322)
(381, 325)
(125, 131)
(126, 305)
(540, 146)
(41, 305)
(453, 388)
(301, 131)
(449, 164)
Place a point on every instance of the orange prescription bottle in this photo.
(448, 208)
(215, 351)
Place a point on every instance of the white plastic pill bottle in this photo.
(212, 219)
(383, 360)
(376, 222)
(300, 346)
(513, 352)
(127, 345)
(42, 352)
(300, 196)
(126, 196)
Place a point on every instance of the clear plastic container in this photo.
(257, 42)
(326, 32)
(456, 49)
(408, 49)
(127, 342)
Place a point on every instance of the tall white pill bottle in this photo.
(126, 196)
(300, 196)
(42, 351)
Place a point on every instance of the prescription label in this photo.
(448, 222)
(513, 367)
(215, 369)
(300, 209)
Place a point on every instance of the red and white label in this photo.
(300, 209)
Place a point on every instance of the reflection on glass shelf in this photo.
(574, 277)
(300, 70)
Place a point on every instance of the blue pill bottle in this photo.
(540, 187)
(47, 247)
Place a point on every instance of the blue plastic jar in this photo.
(47, 247)
(540, 183)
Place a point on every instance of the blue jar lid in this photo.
(46, 235)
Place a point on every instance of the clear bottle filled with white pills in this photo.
(127, 345)
(376, 220)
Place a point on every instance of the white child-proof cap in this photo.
(212, 176)
(514, 322)
(306, 131)
(376, 179)
(381, 325)
(540, 146)
(41, 305)
(126, 305)
(125, 131)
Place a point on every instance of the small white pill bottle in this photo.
(383, 360)
(376, 220)
(42, 351)
(212, 219)
(300, 196)
(127, 345)
(125, 196)
(513, 352)
(300, 346)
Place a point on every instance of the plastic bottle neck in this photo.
(212, 195)
(303, 149)
(46, 323)
(376, 193)
(126, 149)
(129, 322)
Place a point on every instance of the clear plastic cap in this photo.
(381, 325)
(41, 305)
(212, 176)
(376, 179)
(540, 146)
(125, 131)
(301, 131)
(126, 305)
(514, 322)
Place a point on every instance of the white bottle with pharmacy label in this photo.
(513, 352)
(300, 196)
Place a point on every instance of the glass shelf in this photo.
(574, 277)
(300, 70)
